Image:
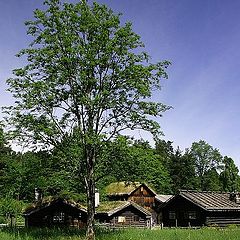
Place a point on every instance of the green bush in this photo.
(11, 207)
(2, 219)
(232, 226)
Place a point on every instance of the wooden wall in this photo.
(128, 217)
(183, 211)
(144, 197)
(184, 215)
(58, 214)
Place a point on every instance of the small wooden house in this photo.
(55, 212)
(118, 214)
(139, 193)
(193, 208)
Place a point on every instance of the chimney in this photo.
(37, 194)
(97, 200)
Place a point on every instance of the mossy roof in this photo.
(111, 207)
(107, 206)
(122, 188)
(125, 188)
(46, 202)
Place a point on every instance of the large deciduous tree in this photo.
(207, 161)
(86, 73)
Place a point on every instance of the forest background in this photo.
(56, 171)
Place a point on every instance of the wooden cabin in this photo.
(132, 191)
(139, 193)
(193, 208)
(122, 214)
(55, 212)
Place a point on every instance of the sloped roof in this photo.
(125, 188)
(49, 202)
(107, 206)
(163, 198)
(210, 201)
(122, 188)
(113, 207)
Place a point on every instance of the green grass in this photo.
(130, 234)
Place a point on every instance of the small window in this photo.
(59, 217)
(136, 218)
(192, 215)
(121, 219)
(172, 215)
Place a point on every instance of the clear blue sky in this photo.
(202, 40)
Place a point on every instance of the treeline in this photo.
(58, 172)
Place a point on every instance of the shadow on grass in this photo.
(56, 233)
(44, 233)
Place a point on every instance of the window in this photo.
(136, 218)
(192, 215)
(121, 219)
(58, 217)
(172, 215)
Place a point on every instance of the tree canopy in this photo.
(86, 72)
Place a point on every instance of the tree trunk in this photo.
(90, 187)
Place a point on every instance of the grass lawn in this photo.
(130, 234)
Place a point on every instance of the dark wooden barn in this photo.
(123, 214)
(56, 212)
(193, 208)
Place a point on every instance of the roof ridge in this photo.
(201, 191)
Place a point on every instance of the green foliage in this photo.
(11, 207)
(166, 151)
(86, 73)
(211, 181)
(3, 220)
(229, 176)
(85, 70)
(182, 171)
(135, 161)
(206, 160)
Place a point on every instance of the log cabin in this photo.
(55, 212)
(130, 204)
(139, 193)
(193, 208)
(120, 214)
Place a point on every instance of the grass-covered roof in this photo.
(107, 206)
(48, 201)
(112, 207)
(121, 188)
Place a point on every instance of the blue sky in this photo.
(202, 40)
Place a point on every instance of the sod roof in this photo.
(125, 188)
(107, 206)
(49, 201)
(112, 207)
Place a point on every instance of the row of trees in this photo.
(166, 169)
